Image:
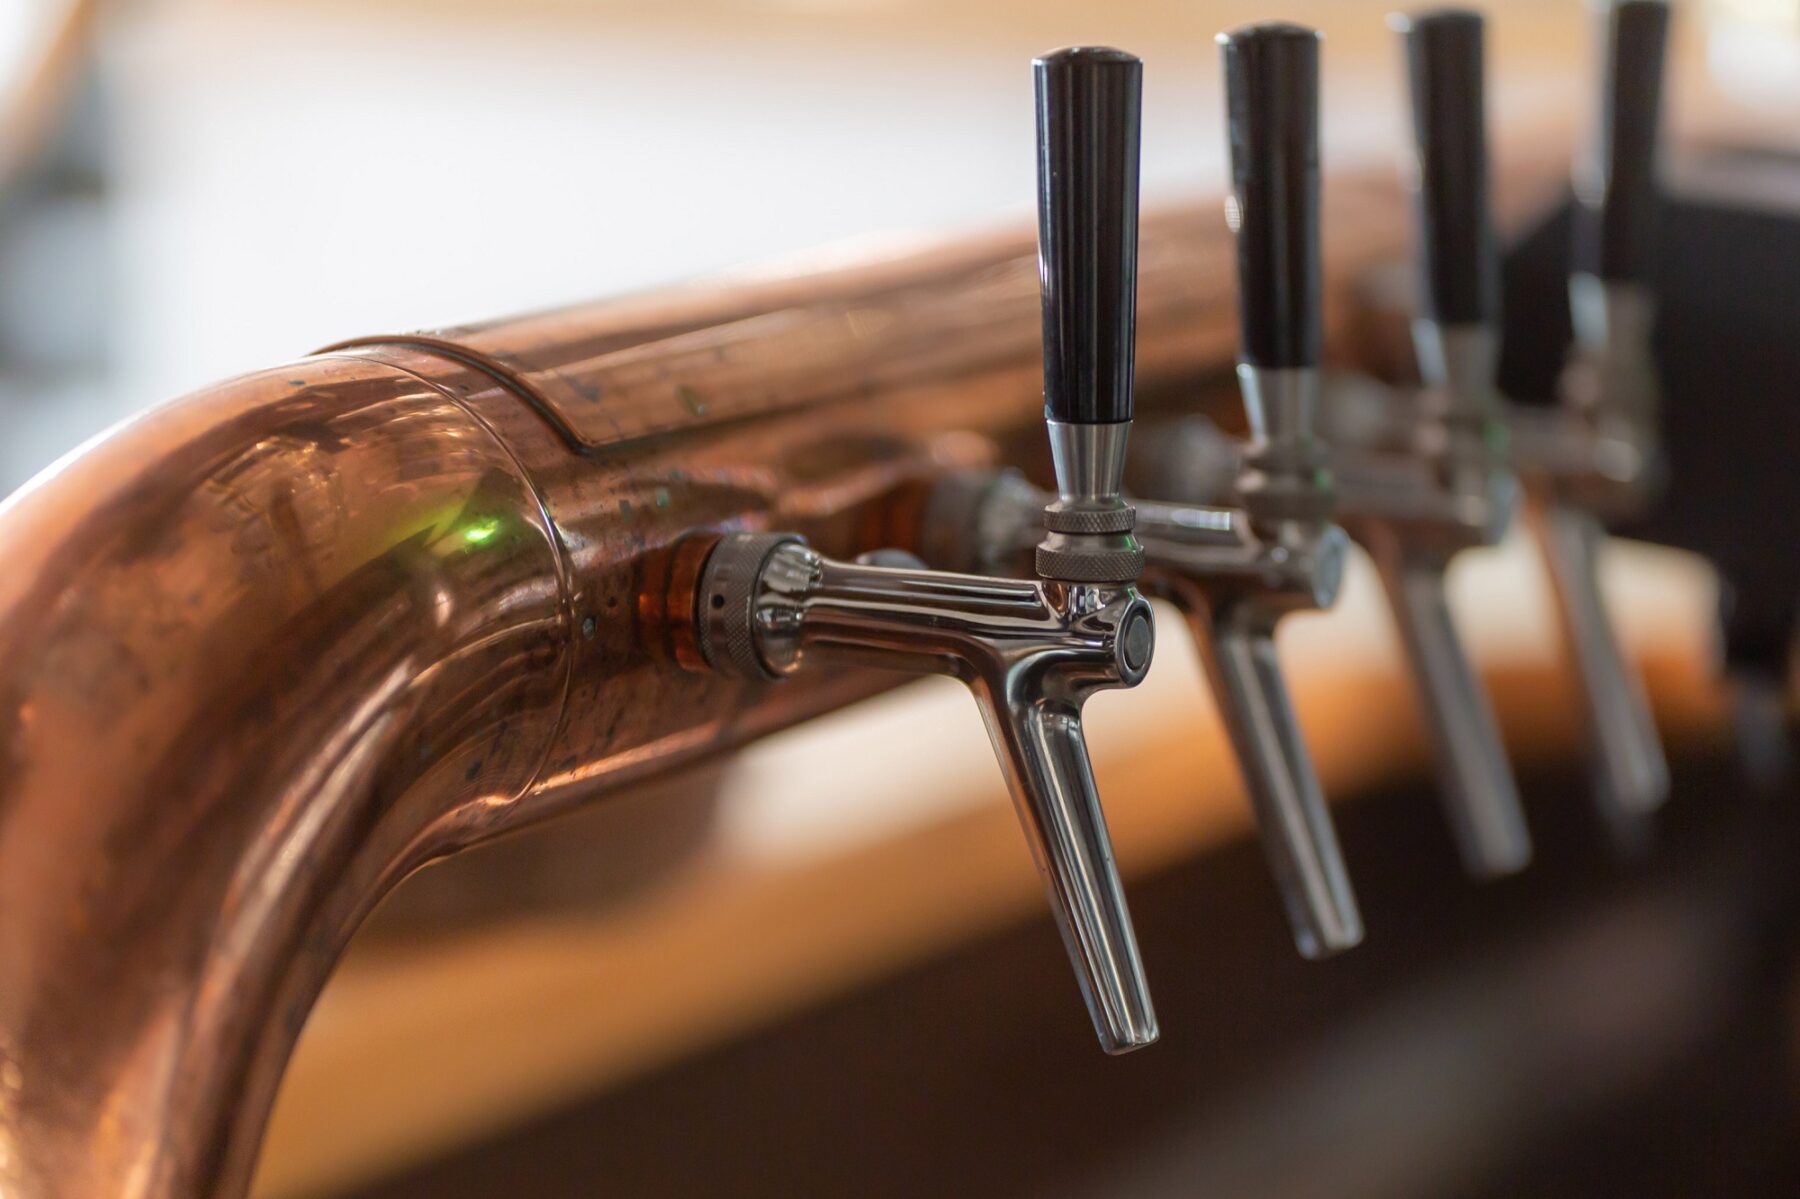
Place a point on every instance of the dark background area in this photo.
(1595, 1026)
(1727, 283)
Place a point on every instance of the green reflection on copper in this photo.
(482, 531)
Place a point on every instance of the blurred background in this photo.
(195, 188)
(797, 973)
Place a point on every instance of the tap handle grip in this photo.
(1044, 753)
(1272, 119)
(1458, 262)
(1088, 103)
(1615, 184)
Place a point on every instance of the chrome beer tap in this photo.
(1235, 571)
(1031, 651)
(1435, 481)
(1595, 455)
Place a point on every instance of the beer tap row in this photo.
(1036, 599)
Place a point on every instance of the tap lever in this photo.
(1455, 328)
(1459, 269)
(1031, 651)
(1272, 119)
(1088, 102)
(1615, 183)
(1434, 482)
(1272, 113)
(1610, 386)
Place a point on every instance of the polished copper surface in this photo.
(269, 648)
(263, 651)
(669, 583)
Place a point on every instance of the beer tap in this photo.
(1595, 455)
(1437, 482)
(1235, 571)
(1419, 478)
(769, 606)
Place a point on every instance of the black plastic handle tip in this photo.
(1458, 260)
(1088, 104)
(1617, 191)
(1272, 119)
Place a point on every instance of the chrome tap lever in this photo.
(1466, 496)
(1459, 269)
(1609, 401)
(1454, 328)
(1272, 119)
(1088, 119)
(1031, 651)
(1088, 103)
(1290, 554)
(1087, 139)
(1610, 376)
(1615, 180)
(1423, 475)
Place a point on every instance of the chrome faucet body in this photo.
(1596, 456)
(1415, 478)
(1233, 577)
(1432, 482)
(1030, 650)
(1592, 458)
(1435, 480)
(1235, 571)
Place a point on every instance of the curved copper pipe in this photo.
(268, 649)
(264, 651)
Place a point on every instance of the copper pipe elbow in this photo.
(266, 651)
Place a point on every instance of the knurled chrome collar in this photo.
(1063, 518)
(1090, 543)
(1121, 564)
(725, 603)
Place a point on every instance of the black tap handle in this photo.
(1459, 265)
(1088, 100)
(1617, 189)
(1272, 116)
